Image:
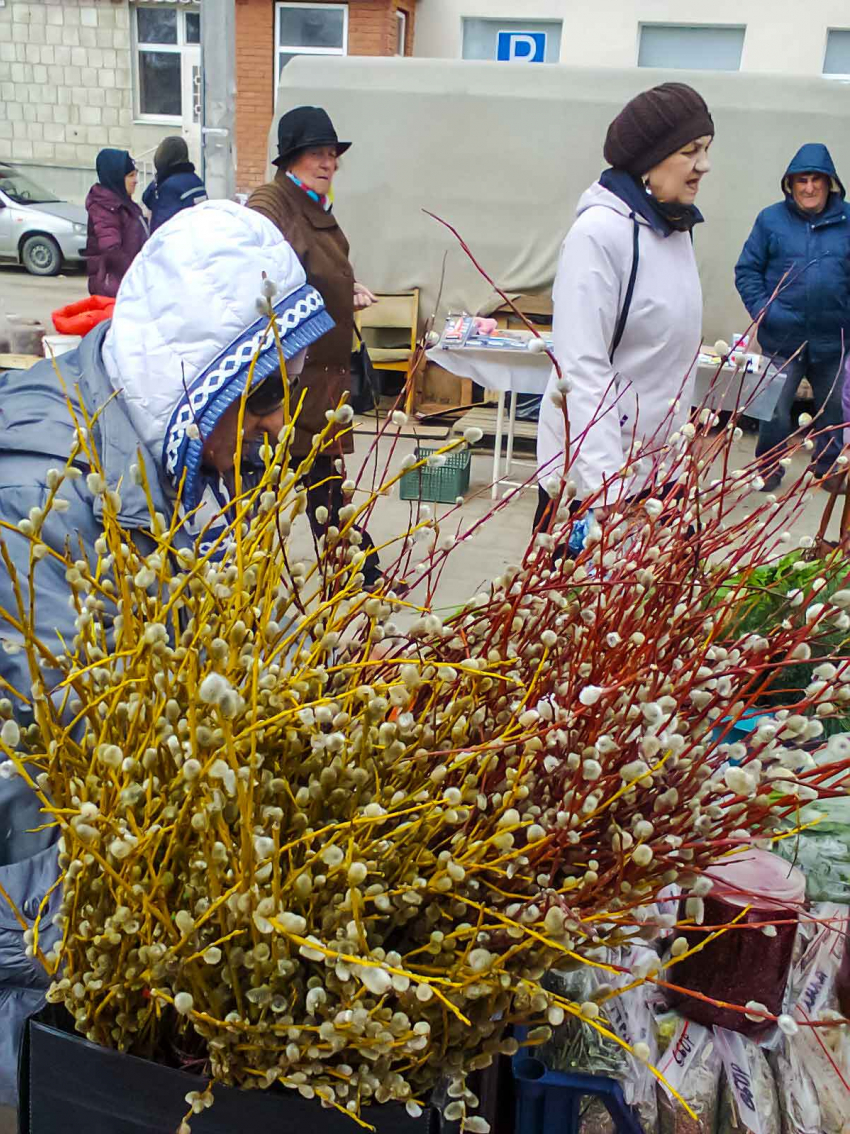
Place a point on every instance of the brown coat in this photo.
(320, 245)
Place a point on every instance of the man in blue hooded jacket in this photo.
(794, 277)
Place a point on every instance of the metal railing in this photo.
(145, 166)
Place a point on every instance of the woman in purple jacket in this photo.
(117, 228)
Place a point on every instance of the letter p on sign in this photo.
(521, 47)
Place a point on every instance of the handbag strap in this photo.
(359, 336)
(630, 290)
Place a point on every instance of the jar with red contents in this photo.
(842, 980)
(742, 964)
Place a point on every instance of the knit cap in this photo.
(655, 124)
(170, 151)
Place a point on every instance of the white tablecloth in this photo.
(751, 392)
(524, 372)
(511, 371)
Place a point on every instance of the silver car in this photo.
(37, 229)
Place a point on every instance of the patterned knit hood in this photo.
(187, 327)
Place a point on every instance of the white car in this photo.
(37, 229)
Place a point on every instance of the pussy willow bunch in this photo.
(300, 846)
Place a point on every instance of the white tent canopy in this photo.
(504, 151)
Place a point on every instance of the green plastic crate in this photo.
(442, 485)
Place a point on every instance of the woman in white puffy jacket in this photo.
(628, 303)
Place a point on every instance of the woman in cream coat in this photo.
(628, 303)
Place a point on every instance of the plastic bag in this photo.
(798, 1101)
(748, 1096)
(822, 850)
(595, 1119)
(823, 1054)
(575, 1046)
(690, 1063)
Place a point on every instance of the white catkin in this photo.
(787, 1025)
(184, 1003)
(10, 734)
(590, 694)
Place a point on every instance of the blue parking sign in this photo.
(521, 47)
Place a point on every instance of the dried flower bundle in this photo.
(302, 847)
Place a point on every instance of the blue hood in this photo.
(814, 157)
(794, 270)
(112, 167)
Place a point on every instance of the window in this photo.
(20, 189)
(691, 47)
(193, 27)
(401, 28)
(520, 41)
(837, 61)
(162, 34)
(310, 29)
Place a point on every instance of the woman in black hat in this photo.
(628, 304)
(300, 202)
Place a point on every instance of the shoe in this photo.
(771, 482)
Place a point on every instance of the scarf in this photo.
(326, 201)
(681, 218)
(665, 217)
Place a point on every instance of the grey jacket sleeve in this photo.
(28, 861)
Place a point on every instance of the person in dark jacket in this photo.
(794, 277)
(300, 202)
(117, 228)
(176, 185)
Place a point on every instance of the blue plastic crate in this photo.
(550, 1102)
(741, 730)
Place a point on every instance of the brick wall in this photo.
(372, 30)
(66, 86)
(371, 27)
(254, 89)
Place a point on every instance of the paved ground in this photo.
(35, 297)
(502, 539)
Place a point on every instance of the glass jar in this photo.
(744, 963)
(842, 980)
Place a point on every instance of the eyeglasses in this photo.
(267, 397)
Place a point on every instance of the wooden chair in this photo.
(389, 330)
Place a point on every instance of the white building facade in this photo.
(784, 36)
(79, 75)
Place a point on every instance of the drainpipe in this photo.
(218, 77)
